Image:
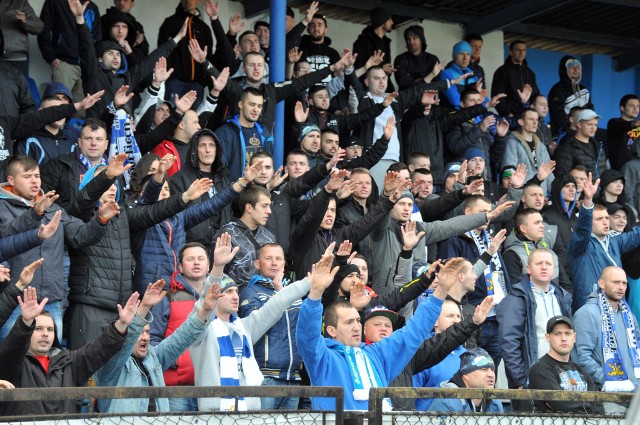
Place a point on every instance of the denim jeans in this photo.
(183, 404)
(279, 403)
(490, 339)
(173, 87)
(53, 307)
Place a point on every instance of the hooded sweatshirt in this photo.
(318, 55)
(564, 95)
(410, 67)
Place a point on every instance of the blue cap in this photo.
(459, 47)
(53, 89)
(473, 152)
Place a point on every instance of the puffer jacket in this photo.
(66, 368)
(276, 351)
(572, 152)
(516, 315)
(190, 172)
(564, 95)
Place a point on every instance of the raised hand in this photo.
(390, 127)
(349, 58)
(153, 294)
(277, 179)
(88, 101)
(128, 312)
(337, 157)
(497, 240)
(299, 113)
(518, 178)
(388, 100)
(197, 189)
(45, 202)
(185, 103)
(502, 128)
(375, 59)
(116, 166)
(437, 68)
(472, 187)
(197, 53)
(347, 189)
(497, 212)
(223, 253)
(464, 171)
(77, 8)
(108, 210)
(447, 276)
(495, 100)
(545, 170)
(461, 78)
(358, 295)
(312, 10)
(30, 308)
(121, 97)
(390, 182)
(160, 72)
(429, 97)
(432, 268)
(47, 230)
(252, 171)
(277, 281)
(482, 311)
(479, 84)
(294, 55)
(221, 82)
(487, 122)
(335, 182)
(590, 188)
(402, 186)
(322, 275)
(212, 9)
(345, 248)
(236, 24)
(183, 32)
(409, 236)
(525, 93)
(5, 274)
(27, 274)
(210, 301)
(388, 68)
(165, 163)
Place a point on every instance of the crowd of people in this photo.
(421, 231)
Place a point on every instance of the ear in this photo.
(331, 330)
(546, 336)
(10, 180)
(240, 105)
(467, 211)
(520, 122)
(601, 284)
(256, 264)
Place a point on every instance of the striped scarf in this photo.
(123, 140)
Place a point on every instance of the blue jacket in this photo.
(516, 315)
(122, 370)
(276, 352)
(234, 148)
(326, 367)
(588, 257)
(156, 248)
(452, 94)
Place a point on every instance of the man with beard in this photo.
(316, 46)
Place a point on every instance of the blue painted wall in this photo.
(598, 73)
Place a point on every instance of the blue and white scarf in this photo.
(616, 378)
(363, 375)
(123, 140)
(231, 364)
(494, 272)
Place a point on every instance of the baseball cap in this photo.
(558, 319)
(586, 115)
(381, 310)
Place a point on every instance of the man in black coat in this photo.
(511, 77)
(416, 63)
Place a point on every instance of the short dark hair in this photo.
(522, 216)
(320, 16)
(299, 152)
(329, 131)
(250, 195)
(398, 166)
(94, 124)
(474, 199)
(574, 111)
(250, 91)
(524, 112)
(373, 68)
(533, 99)
(473, 37)
(246, 33)
(317, 88)
(626, 98)
(331, 312)
(417, 155)
(422, 171)
(516, 42)
(579, 168)
(190, 245)
(260, 154)
(296, 66)
(261, 24)
(467, 92)
(18, 163)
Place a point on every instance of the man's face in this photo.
(266, 174)
(141, 349)
(580, 178)
(533, 197)
(195, 263)
(112, 59)
(540, 267)
(414, 45)
(261, 212)
(561, 339)
(450, 181)
(54, 102)
(614, 285)
(251, 43)
(302, 68)
(481, 378)
(469, 278)
(119, 31)
(330, 143)
(472, 99)
(462, 59)
(161, 114)
(475, 166)
(270, 262)
(93, 143)
(43, 336)
(229, 302)
(573, 72)
(190, 124)
(588, 128)
(449, 316)
(479, 207)
(190, 5)
(476, 48)
(348, 282)
(377, 82)
(297, 165)
(290, 23)
(311, 142)
(251, 107)
(206, 150)
(420, 162)
(568, 193)
(320, 100)
(427, 189)
(363, 191)
(263, 35)
(364, 269)
(388, 25)
(402, 210)
(377, 327)
(254, 68)
(618, 220)
(541, 106)
(518, 53)
(600, 224)
(124, 5)
(317, 29)
(329, 216)
(615, 188)
(352, 151)
(530, 122)
(533, 227)
(348, 330)
(631, 109)
(165, 192)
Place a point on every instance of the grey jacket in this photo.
(523, 248)
(386, 243)
(16, 35)
(517, 151)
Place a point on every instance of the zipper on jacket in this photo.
(290, 346)
(266, 349)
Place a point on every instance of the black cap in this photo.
(558, 319)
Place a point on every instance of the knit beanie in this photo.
(407, 194)
(475, 359)
(344, 271)
(459, 47)
(473, 152)
(379, 16)
(308, 129)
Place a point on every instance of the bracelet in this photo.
(242, 185)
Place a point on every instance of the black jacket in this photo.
(44, 146)
(318, 55)
(563, 96)
(63, 174)
(411, 68)
(366, 44)
(184, 67)
(508, 79)
(15, 97)
(422, 133)
(572, 152)
(619, 142)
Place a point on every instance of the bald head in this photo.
(613, 282)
